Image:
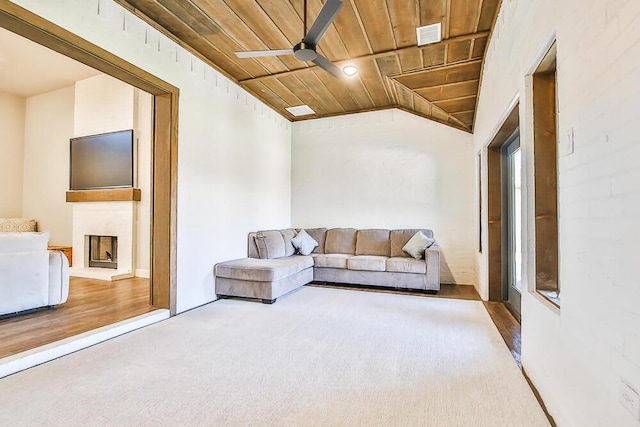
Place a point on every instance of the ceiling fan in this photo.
(306, 49)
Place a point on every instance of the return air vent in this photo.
(429, 34)
(301, 110)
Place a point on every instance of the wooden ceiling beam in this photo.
(439, 68)
(433, 105)
(407, 49)
(459, 98)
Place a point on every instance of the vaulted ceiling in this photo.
(439, 81)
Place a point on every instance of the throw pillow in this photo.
(270, 244)
(417, 245)
(304, 243)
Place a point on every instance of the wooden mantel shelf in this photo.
(107, 195)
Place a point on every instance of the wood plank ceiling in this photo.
(438, 81)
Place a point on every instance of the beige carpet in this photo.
(318, 357)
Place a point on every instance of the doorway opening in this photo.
(512, 224)
(504, 214)
(159, 291)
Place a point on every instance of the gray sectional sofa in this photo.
(344, 255)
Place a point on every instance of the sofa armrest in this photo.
(432, 258)
(58, 277)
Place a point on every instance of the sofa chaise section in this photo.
(265, 279)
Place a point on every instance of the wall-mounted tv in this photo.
(102, 161)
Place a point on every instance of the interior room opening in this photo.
(61, 99)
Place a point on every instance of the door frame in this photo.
(494, 201)
(164, 151)
(508, 148)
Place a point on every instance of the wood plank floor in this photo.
(91, 305)
(446, 291)
(508, 327)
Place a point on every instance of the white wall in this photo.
(388, 169)
(143, 130)
(12, 110)
(104, 104)
(578, 357)
(233, 156)
(48, 127)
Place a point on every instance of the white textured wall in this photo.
(144, 133)
(233, 156)
(12, 110)
(578, 357)
(388, 169)
(104, 104)
(48, 127)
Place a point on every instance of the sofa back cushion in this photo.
(11, 225)
(373, 242)
(341, 241)
(399, 238)
(319, 235)
(270, 244)
(252, 248)
(287, 235)
(24, 269)
(23, 242)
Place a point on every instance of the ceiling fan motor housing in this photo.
(304, 51)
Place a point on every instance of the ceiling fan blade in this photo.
(258, 53)
(328, 66)
(322, 22)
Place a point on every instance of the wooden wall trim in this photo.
(106, 195)
(164, 205)
(545, 178)
(494, 201)
(165, 144)
(31, 26)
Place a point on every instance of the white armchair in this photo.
(30, 275)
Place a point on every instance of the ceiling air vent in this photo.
(429, 34)
(301, 110)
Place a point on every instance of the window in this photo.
(545, 142)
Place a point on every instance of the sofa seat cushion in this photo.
(330, 260)
(406, 265)
(367, 263)
(263, 270)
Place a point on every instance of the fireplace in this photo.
(103, 251)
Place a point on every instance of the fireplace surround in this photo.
(110, 255)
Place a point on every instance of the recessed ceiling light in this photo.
(300, 110)
(429, 34)
(350, 70)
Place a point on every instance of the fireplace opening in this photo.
(103, 251)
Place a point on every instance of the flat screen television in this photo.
(102, 161)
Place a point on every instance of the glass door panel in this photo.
(512, 197)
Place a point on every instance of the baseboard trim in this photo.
(37, 356)
(539, 398)
(144, 273)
